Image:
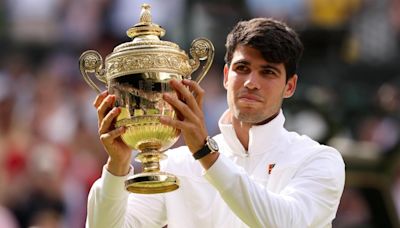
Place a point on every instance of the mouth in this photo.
(249, 98)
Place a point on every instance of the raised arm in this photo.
(109, 205)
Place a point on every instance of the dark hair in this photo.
(274, 39)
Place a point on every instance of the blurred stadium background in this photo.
(348, 95)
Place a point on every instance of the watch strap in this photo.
(202, 152)
(206, 149)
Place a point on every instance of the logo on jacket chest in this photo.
(270, 167)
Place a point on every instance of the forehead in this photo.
(244, 52)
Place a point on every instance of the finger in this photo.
(187, 96)
(100, 98)
(104, 108)
(172, 122)
(180, 107)
(197, 90)
(106, 124)
(112, 135)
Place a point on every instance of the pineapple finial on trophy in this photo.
(145, 25)
(145, 15)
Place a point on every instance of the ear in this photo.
(290, 86)
(226, 70)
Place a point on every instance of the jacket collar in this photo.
(261, 138)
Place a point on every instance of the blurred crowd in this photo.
(348, 94)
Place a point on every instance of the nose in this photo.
(251, 81)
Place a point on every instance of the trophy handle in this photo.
(92, 62)
(201, 49)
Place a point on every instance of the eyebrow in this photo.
(266, 66)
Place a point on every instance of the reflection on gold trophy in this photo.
(138, 72)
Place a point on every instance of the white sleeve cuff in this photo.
(221, 172)
(114, 186)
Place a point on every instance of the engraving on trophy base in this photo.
(152, 183)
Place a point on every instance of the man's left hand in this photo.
(189, 107)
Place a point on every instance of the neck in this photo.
(242, 128)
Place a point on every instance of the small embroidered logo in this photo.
(270, 167)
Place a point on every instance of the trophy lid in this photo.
(146, 52)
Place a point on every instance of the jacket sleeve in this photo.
(310, 199)
(110, 205)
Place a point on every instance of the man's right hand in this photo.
(119, 153)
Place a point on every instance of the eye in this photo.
(242, 69)
(269, 72)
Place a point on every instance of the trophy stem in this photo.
(150, 160)
(151, 180)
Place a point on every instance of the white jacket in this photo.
(283, 180)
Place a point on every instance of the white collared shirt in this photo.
(282, 180)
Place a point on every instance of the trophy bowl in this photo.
(140, 99)
(138, 74)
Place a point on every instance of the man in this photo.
(260, 176)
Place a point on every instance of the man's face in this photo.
(255, 87)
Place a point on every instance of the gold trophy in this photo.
(138, 72)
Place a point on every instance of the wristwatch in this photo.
(210, 146)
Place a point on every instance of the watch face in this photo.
(212, 144)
